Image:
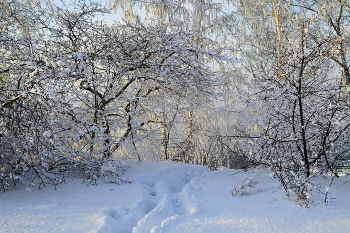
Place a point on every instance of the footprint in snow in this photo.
(166, 195)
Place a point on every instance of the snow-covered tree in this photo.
(288, 101)
(293, 91)
(86, 92)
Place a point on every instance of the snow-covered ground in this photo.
(172, 197)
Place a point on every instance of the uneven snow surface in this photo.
(169, 197)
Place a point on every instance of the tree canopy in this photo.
(220, 83)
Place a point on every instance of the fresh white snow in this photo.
(166, 197)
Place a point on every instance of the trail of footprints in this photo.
(162, 199)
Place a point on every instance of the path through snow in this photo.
(171, 197)
(166, 195)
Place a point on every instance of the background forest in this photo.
(235, 83)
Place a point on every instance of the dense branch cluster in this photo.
(77, 94)
(293, 58)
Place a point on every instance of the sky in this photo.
(112, 17)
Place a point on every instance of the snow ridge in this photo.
(166, 195)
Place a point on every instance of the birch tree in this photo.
(334, 15)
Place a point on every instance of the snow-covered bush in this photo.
(112, 170)
(295, 106)
(78, 95)
(248, 187)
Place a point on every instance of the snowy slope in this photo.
(172, 197)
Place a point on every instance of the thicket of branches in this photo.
(286, 102)
(294, 58)
(77, 93)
